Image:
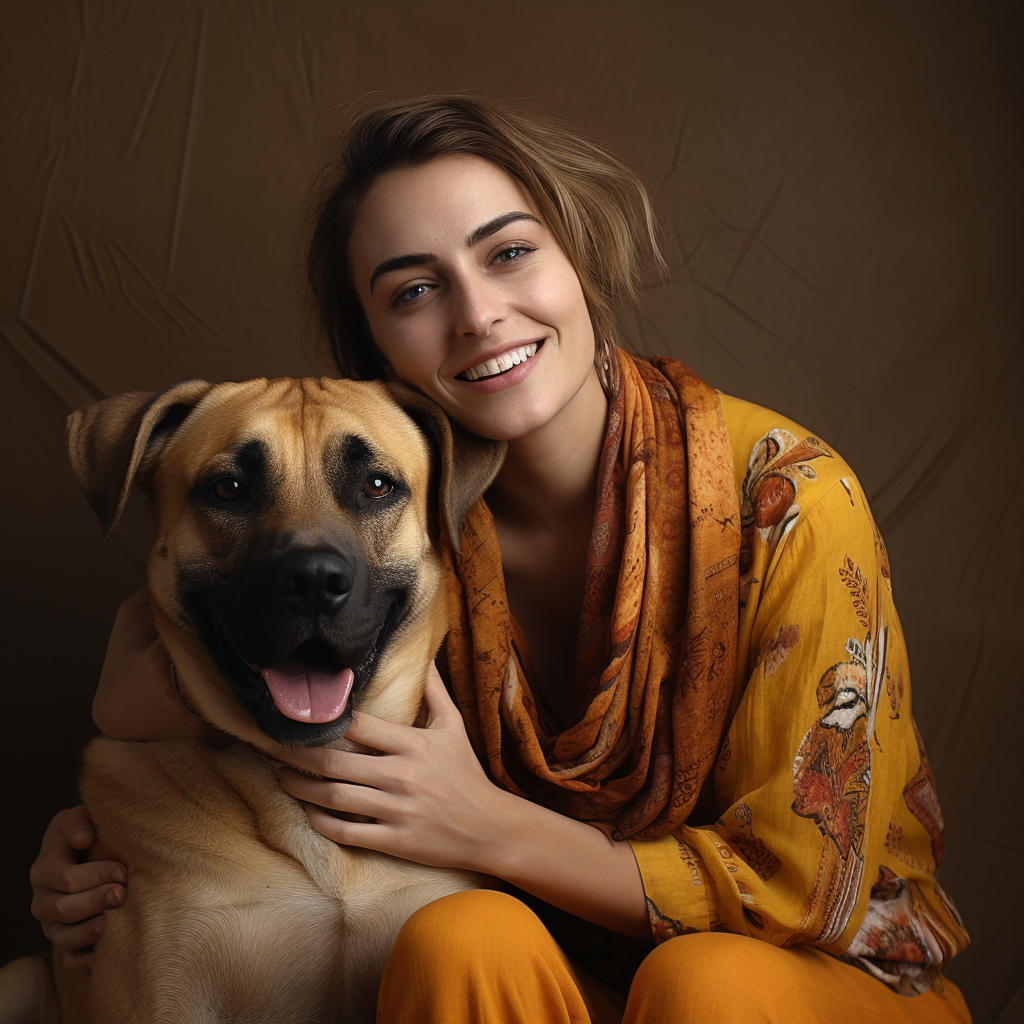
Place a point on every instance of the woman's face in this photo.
(470, 298)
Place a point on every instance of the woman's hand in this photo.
(136, 698)
(430, 802)
(426, 791)
(69, 898)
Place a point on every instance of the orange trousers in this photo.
(483, 957)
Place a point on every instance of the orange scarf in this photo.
(656, 648)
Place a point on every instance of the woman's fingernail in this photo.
(114, 898)
(120, 875)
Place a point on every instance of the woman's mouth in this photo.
(499, 364)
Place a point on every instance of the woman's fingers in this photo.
(73, 938)
(441, 709)
(77, 827)
(57, 868)
(72, 913)
(69, 898)
(69, 830)
(65, 876)
(357, 766)
(369, 835)
(389, 737)
(337, 796)
(346, 765)
(69, 908)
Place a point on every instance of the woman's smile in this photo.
(470, 298)
(500, 363)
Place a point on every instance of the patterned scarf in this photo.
(656, 648)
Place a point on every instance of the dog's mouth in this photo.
(305, 697)
(306, 688)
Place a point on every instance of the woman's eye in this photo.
(377, 485)
(411, 294)
(512, 253)
(229, 489)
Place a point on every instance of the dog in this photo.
(293, 577)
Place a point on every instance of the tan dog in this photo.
(293, 577)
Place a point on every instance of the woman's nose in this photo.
(479, 305)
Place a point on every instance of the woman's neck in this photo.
(550, 475)
(543, 507)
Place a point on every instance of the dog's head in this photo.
(293, 571)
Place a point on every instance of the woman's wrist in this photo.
(501, 846)
(565, 862)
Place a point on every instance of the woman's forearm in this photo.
(566, 863)
(141, 707)
(136, 698)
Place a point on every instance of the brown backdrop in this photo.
(840, 191)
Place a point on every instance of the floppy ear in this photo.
(108, 440)
(466, 464)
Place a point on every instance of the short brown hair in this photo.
(595, 206)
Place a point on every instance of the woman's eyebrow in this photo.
(419, 259)
(413, 259)
(496, 224)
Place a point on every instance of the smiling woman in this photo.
(597, 210)
(681, 712)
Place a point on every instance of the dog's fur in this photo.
(237, 909)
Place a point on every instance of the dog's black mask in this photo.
(297, 610)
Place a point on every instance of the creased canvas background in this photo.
(840, 190)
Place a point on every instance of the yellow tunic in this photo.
(828, 830)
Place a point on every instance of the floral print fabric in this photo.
(827, 827)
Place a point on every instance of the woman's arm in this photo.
(433, 804)
(829, 831)
(136, 698)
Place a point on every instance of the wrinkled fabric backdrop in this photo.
(839, 187)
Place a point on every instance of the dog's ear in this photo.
(108, 440)
(465, 464)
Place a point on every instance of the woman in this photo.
(724, 761)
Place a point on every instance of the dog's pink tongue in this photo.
(308, 694)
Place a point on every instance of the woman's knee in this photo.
(478, 955)
(475, 927)
(704, 976)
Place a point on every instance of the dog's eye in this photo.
(377, 485)
(227, 488)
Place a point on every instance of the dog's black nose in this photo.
(311, 583)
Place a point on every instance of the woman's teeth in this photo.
(492, 367)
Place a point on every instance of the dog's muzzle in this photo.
(300, 637)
